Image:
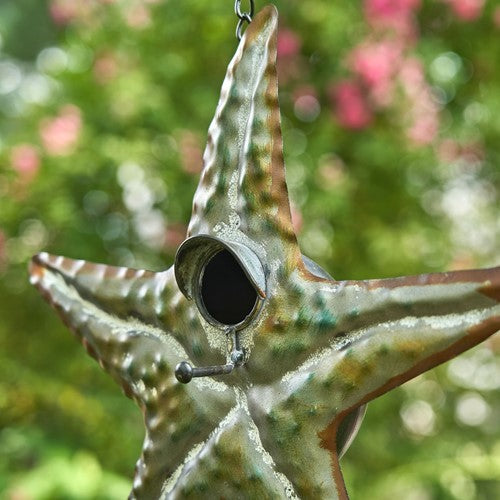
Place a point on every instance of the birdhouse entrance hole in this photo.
(227, 294)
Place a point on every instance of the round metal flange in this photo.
(191, 260)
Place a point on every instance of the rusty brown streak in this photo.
(328, 437)
(490, 277)
(492, 291)
(36, 268)
(257, 24)
(475, 335)
(278, 182)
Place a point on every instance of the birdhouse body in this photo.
(251, 365)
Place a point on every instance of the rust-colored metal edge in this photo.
(475, 335)
(490, 277)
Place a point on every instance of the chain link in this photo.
(243, 16)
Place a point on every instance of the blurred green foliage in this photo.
(104, 107)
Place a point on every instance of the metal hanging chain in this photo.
(244, 17)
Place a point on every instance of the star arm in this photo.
(230, 463)
(140, 356)
(360, 339)
(152, 299)
(289, 421)
(178, 418)
(313, 314)
(119, 291)
(357, 341)
(391, 330)
(242, 188)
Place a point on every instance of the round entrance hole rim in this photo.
(198, 296)
(189, 281)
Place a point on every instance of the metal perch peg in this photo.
(184, 372)
(312, 350)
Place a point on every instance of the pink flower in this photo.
(60, 134)
(351, 106)
(422, 112)
(290, 61)
(395, 15)
(25, 160)
(138, 16)
(306, 103)
(376, 64)
(289, 43)
(448, 150)
(63, 11)
(66, 11)
(389, 9)
(424, 129)
(105, 68)
(496, 17)
(467, 10)
(411, 76)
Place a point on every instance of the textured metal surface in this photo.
(317, 350)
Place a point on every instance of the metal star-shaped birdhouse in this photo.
(251, 365)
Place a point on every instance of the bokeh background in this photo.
(391, 118)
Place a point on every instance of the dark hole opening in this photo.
(227, 294)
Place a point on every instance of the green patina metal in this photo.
(316, 351)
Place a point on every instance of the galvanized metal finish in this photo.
(315, 351)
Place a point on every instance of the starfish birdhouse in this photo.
(252, 366)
